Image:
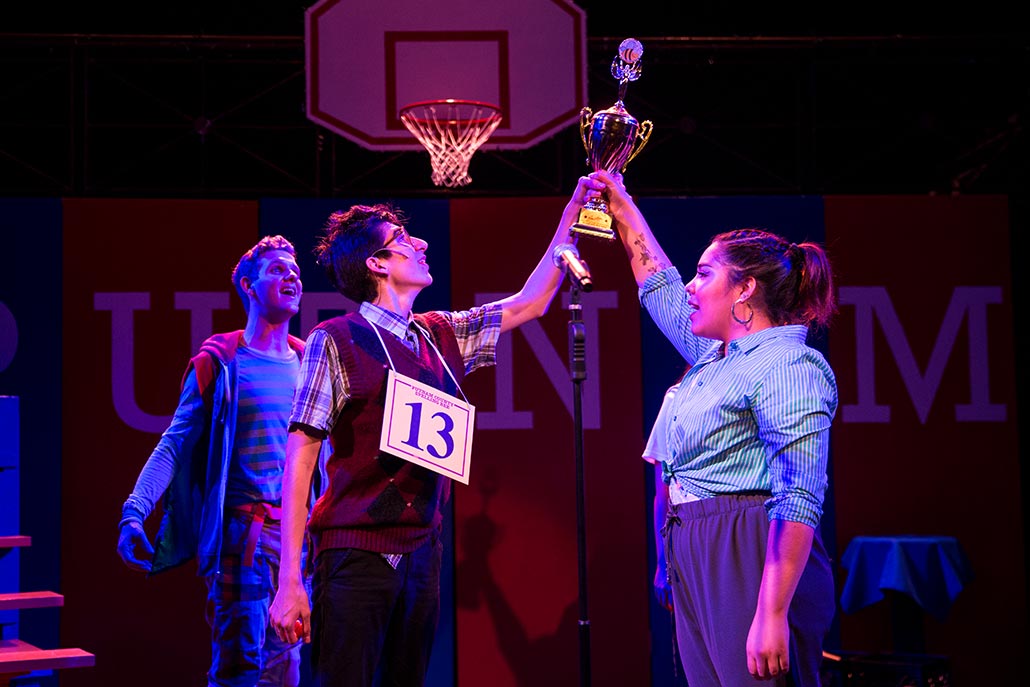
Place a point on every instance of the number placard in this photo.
(427, 426)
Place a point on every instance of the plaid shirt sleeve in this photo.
(477, 331)
(322, 389)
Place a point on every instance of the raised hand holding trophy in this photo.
(612, 138)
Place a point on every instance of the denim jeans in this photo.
(245, 651)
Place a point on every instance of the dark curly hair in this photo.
(351, 236)
(795, 280)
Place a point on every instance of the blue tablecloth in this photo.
(931, 570)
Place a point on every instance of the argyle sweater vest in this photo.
(378, 501)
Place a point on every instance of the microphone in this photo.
(566, 256)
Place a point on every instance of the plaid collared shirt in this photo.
(322, 387)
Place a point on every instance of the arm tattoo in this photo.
(647, 260)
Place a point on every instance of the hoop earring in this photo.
(750, 313)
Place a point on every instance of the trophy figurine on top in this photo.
(612, 138)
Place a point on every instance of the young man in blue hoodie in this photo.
(219, 468)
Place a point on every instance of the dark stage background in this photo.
(143, 147)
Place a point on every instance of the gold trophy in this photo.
(612, 138)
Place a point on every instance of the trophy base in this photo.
(594, 223)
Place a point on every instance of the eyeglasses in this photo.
(402, 237)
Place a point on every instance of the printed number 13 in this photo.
(444, 432)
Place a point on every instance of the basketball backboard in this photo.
(367, 60)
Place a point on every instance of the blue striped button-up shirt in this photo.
(755, 419)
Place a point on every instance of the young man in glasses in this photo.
(376, 530)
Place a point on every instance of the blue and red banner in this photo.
(104, 300)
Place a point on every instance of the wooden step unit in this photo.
(19, 658)
(20, 600)
(15, 541)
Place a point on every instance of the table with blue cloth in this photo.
(918, 573)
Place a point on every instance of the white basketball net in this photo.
(451, 130)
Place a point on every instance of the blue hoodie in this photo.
(196, 449)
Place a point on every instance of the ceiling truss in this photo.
(181, 116)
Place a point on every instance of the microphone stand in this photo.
(578, 373)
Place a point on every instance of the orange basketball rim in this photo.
(451, 130)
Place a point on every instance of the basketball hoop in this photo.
(451, 130)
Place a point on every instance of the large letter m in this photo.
(968, 303)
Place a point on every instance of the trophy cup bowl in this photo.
(612, 138)
(609, 138)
